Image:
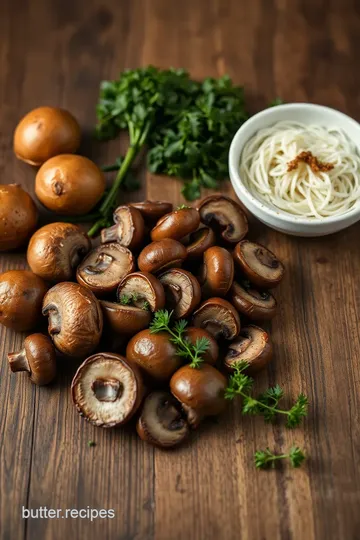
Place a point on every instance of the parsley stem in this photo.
(184, 345)
(263, 405)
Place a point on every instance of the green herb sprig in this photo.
(192, 352)
(265, 459)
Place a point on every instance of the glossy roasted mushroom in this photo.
(104, 267)
(259, 264)
(107, 390)
(176, 225)
(200, 391)
(159, 256)
(160, 422)
(124, 319)
(75, 320)
(182, 291)
(55, 251)
(37, 358)
(199, 241)
(152, 211)
(128, 230)
(18, 216)
(255, 304)
(253, 346)
(142, 290)
(192, 334)
(225, 215)
(217, 272)
(218, 317)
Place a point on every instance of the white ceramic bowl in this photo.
(280, 220)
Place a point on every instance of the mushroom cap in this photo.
(160, 422)
(107, 390)
(225, 214)
(104, 267)
(254, 346)
(158, 256)
(145, 287)
(40, 353)
(176, 224)
(255, 304)
(218, 317)
(75, 318)
(21, 296)
(69, 184)
(217, 272)
(259, 264)
(129, 228)
(201, 391)
(18, 216)
(128, 320)
(154, 354)
(46, 132)
(199, 242)
(151, 211)
(55, 250)
(182, 291)
(192, 334)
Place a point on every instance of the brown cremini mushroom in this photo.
(199, 241)
(217, 272)
(218, 317)
(56, 249)
(123, 319)
(259, 264)
(176, 225)
(152, 211)
(200, 391)
(225, 215)
(192, 334)
(37, 357)
(182, 291)
(107, 390)
(75, 319)
(18, 216)
(255, 304)
(158, 256)
(143, 290)
(21, 296)
(160, 422)
(46, 132)
(154, 354)
(253, 346)
(104, 267)
(70, 185)
(128, 230)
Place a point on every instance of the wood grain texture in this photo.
(56, 53)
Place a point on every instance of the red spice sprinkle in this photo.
(315, 164)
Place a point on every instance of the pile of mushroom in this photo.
(198, 265)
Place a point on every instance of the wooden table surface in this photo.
(57, 53)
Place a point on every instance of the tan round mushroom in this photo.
(129, 228)
(182, 291)
(37, 358)
(18, 217)
(259, 264)
(226, 215)
(252, 346)
(218, 317)
(142, 290)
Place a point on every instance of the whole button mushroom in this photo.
(69, 184)
(75, 319)
(46, 132)
(160, 422)
(253, 346)
(218, 317)
(129, 228)
(217, 272)
(226, 216)
(18, 216)
(182, 291)
(55, 251)
(158, 256)
(255, 304)
(200, 391)
(37, 358)
(193, 334)
(142, 290)
(259, 264)
(152, 211)
(124, 319)
(176, 225)
(107, 390)
(21, 296)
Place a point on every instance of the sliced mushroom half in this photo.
(218, 317)
(182, 291)
(217, 272)
(253, 346)
(176, 225)
(158, 256)
(160, 422)
(142, 290)
(225, 215)
(128, 230)
(124, 319)
(152, 211)
(107, 390)
(104, 267)
(255, 304)
(199, 241)
(258, 264)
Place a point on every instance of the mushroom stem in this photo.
(169, 416)
(102, 263)
(193, 417)
(110, 234)
(18, 361)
